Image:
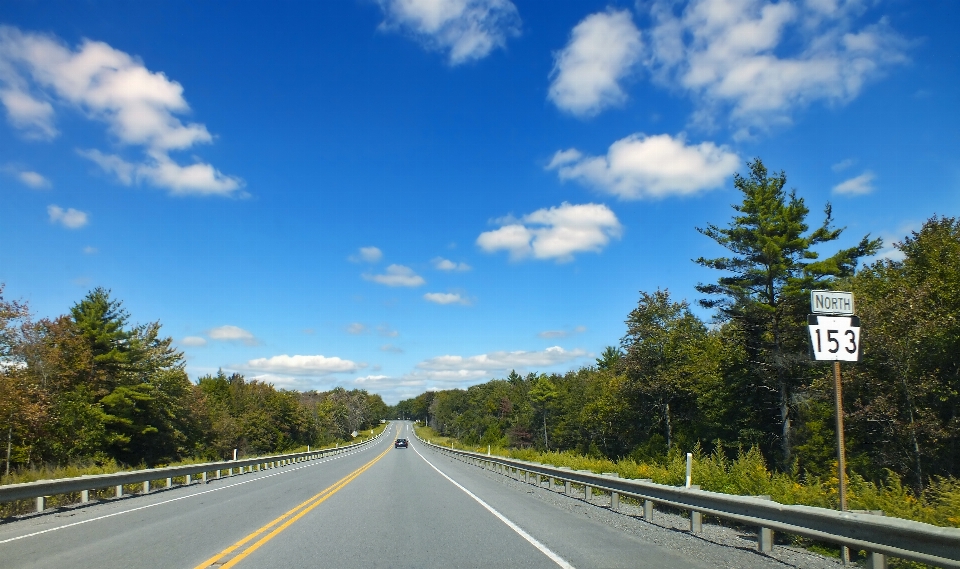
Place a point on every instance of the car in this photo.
(400, 443)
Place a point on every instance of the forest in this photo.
(90, 388)
(744, 380)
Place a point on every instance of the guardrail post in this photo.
(696, 518)
(119, 491)
(84, 496)
(874, 560)
(230, 471)
(204, 475)
(41, 503)
(190, 479)
(614, 497)
(146, 486)
(169, 482)
(764, 535)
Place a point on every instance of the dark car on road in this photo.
(400, 443)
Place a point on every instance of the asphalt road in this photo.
(377, 507)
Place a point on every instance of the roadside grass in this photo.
(50, 472)
(748, 475)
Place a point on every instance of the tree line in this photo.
(89, 386)
(745, 378)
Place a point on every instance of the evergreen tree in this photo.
(769, 274)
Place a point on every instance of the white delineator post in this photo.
(689, 468)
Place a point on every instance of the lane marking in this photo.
(303, 508)
(48, 530)
(532, 540)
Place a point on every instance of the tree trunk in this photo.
(913, 434)
(669, 426)
(9, 446)
(546, 443)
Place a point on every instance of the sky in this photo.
(403, 195)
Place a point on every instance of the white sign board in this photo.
(831, 302)
(834, 338)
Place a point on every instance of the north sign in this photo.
(834, 302)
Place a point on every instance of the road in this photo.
(377, 507)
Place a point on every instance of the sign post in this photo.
(835, 336)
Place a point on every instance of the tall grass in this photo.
(748, 475)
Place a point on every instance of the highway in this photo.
(375, 507)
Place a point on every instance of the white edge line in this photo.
(48, 530)
(533, 541)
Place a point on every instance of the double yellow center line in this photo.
(236, 552)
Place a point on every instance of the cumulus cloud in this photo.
(29, 178)
(69, 218)
(230, 333)
(602, 51)
(193, 341)
(303, 365)
(446, 298)
(442, 264)
(466, 30)
(555, 233)
(459, 368)
(641, 166)
(139, 107)
(397, 275)
(759, 60)
(857, 186)
(356, 328)
(366, 255)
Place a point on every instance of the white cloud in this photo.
(390, 348)
(397, 275)
(460, 369)
(89, 250)
(303, 365)
(467, 30)
(69, 218)
(356, 328)
(602, 51)
(641, 166)
(760, 60)
(842, 165)
(857, 186)
(442, 264)
(562, 333)
(230, 333)
(33, 179)
(193, 341)
(554, 233)
(139, 107)
(446, 298)
(160, 171)
(34, 118)
(367, 255)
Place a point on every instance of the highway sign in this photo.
(834, 338)
(834, 302)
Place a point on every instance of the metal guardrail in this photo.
(43, 489)
(879, 536)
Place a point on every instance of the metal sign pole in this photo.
(841, 450)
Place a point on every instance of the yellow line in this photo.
(305, 506)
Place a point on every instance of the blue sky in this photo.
(423, 194)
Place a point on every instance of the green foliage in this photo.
(90, 388)
(765, 285)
